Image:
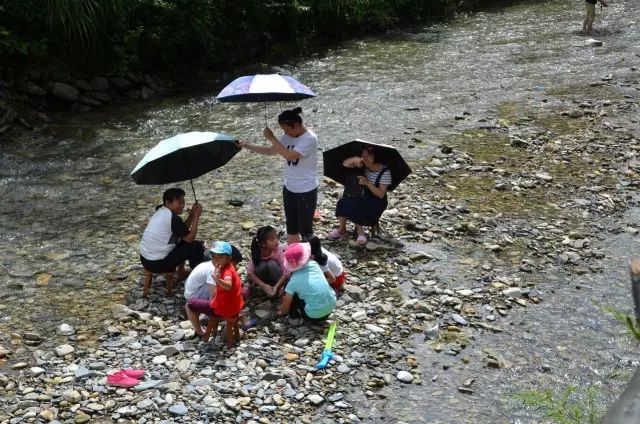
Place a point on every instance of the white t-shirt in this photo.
(197, 278)
(160, 238)
(333, 263)
(300, 176)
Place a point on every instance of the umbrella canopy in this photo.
(384, 154)
(264, 88)
(184, 157)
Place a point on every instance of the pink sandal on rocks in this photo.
(361, 240)
(120, 379)
(129, 372)
(335, 234)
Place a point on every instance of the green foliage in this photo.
(633, 327)
(570, 406)
(187, 34)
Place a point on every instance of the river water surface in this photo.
(70, 216)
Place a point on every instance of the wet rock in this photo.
(404, 376)
(359, 315)
(99, 84)
(179, 409)
(65, 330)
(459, 319)
(514, 292)
(159, 359)
(146, 93)
(64, 92)
(32, 89)
(121, 83)
(36, 371)
(354, 292)
(71, 396)
(315, 399)
(593, 42)
(147, 384)
(64, 350)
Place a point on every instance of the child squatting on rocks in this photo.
(308, 295)
(267, 269)
(329, 263)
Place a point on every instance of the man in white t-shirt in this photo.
(167, 240)
(299, 147)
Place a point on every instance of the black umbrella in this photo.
(184, 157)
(384, 154)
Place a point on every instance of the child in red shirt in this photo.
(224, 285)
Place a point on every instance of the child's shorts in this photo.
(200, 306)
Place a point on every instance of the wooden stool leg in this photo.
(171, 281)
(212, 327)
(229, 333)
(147, 283)
(236, 331)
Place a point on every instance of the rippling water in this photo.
(70, 216)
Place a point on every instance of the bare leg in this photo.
(195, 320)
(342, 221)
(360, 230)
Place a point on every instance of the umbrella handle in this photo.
(194, 191)
(186, 164)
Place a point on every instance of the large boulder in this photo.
(64, 92)
(99, 84)
(82, 85)
(32, 89)
(120, 83)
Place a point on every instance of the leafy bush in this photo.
(188, 34)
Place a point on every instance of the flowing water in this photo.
(70, 216)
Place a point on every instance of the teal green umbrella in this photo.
(184, 157)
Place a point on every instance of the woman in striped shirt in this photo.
(365, 210)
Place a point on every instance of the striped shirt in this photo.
(373, 176)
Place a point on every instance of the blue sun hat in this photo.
(221, 248)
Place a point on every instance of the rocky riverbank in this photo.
(505, 198)
(26, 102)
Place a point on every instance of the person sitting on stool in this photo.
(168, 240)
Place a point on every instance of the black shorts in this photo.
(298, 211)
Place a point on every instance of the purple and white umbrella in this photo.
(265, 88)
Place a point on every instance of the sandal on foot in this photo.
(335, 234)
(361, 240)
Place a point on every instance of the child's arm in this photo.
(225, 283)
(258, 282)
(282, 282)
(329, 276)
(285, 305)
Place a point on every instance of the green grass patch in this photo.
(572, 405)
